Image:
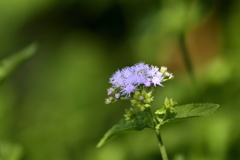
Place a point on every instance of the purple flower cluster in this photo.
(129, 78)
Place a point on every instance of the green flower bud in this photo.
(144, 93)
(142, 108)
(148, 100)
(169, 104)
(139, 105)
(130, 114)
(163, 69)
(109, 100)
(134, 102)
(147, 105)
(136, 94)
(171, 76)
(149, 95)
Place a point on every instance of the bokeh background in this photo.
(52, 107)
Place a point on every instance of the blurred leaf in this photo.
(123, 126)
(9, 151)
(11, 63)
(190, 111)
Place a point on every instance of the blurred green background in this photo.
(52, 107)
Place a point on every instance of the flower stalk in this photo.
(159, 138)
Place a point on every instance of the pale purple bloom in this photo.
(140, 67)
(117, 95)
(117, 79)
(147, 83)
(159, 74)
(152, 71)
(128, 90)
(141, 80)
(129, 78)
(167, 74)
(110, 92)
(156, 81)
(127, 72)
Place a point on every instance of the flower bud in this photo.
(141, 98)
(148, 100)
(163, 69)
(134, 102)
(144, 93)
(167, 74)
(130, 114)
(142, 108)
(149, 95)
(136, 95)
(117, 95)
(169, 104)
(147, 105)
(110, 91)
(108, 101)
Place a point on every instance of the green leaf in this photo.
(123, 126)
(11, 63)
(190, 111)
(161, 111)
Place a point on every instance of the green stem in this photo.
(160, 142)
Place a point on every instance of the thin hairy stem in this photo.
(160, 142)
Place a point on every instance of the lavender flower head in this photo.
(129, 79)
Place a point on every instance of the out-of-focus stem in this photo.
(186, 57)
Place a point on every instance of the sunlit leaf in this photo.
(124, 126)
(11, 63)
(190, 111)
